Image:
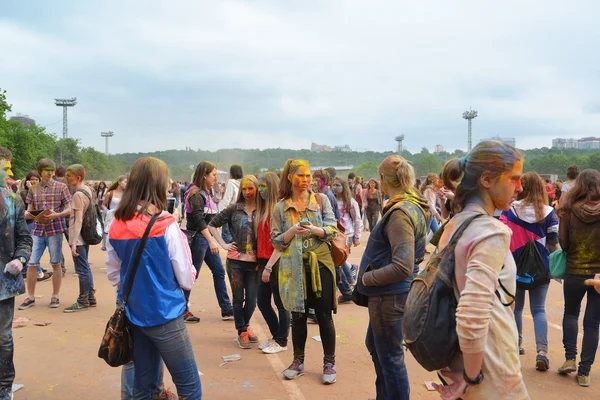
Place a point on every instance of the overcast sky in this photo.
(264, 74)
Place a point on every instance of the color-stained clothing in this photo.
(483, 323)
(53, 196)
(395, 248)
(165, 268)
(351, 221)
(265, 247)
(242, 230)
(15, 241)
(525, 226)
(578, 235)
(292, 286)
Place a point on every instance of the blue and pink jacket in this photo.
(165, 268)
(525, 226)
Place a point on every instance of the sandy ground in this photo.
(59, 361)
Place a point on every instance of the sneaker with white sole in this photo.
(295, 370)
(54, 302)
(274, 348)
(27, 303)
(329, 374)
(266, 344)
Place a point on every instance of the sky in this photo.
(268, 74)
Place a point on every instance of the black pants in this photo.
(278, 322)
(323, 307)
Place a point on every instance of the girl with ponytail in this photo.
(389, 264)
(301, 228)
(487, 179)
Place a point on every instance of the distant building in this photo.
(23, 120)
(565, 143)
(319, 147)
(344, 148)
(583, 143)
(589, 143)
(508, 140)
(439, 148)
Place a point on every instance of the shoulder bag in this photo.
(339, 243)
(116, 347)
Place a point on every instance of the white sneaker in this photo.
(266, 344)
(274, 348)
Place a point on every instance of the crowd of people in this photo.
(278, 233)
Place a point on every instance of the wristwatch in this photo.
(476, 381)
(22, 259)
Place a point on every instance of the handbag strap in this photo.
(138, 257)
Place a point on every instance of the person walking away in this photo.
(374, 203)
(15, 250)
(352, 223)
(322, 181)
(231, 194)
(200, 209)
(156, 303)
(572, 174)
(268, 260)
(111, 201)
(82, 201)
(530, 218)
(241, 265)
(48, 229)
(301, 231)
(389, 264)
(488, 366)
(579, 215)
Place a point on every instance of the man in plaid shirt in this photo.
(48, 228)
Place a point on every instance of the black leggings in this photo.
(323, 307)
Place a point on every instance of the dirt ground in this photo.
(59, 361)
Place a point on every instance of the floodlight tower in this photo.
(64, 103)
(400, 139)
(470, 115)
(106, 135)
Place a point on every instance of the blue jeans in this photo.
(225, 234)
(54, 244)
(537, 302)
(7, 349)
(86, 278)
(342, 282)
(201, 253)
(574, 290)
(128, 378)
(384, 342)
(171, 343)
(244, 280)
(278, 326)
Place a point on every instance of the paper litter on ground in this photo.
(317, 338)
(429, 385)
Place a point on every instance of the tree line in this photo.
(31, 143)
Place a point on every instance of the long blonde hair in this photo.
(264, 207)
(252, 179)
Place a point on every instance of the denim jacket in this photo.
(15, 241)
(285, 215)
(241, 229)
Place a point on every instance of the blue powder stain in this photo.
(247, 385)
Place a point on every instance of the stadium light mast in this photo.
(106, 136)
(64, 103)
(470, 115)
(399, 139)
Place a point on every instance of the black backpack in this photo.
(92, 226)
(429, 324)
(531, 268)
